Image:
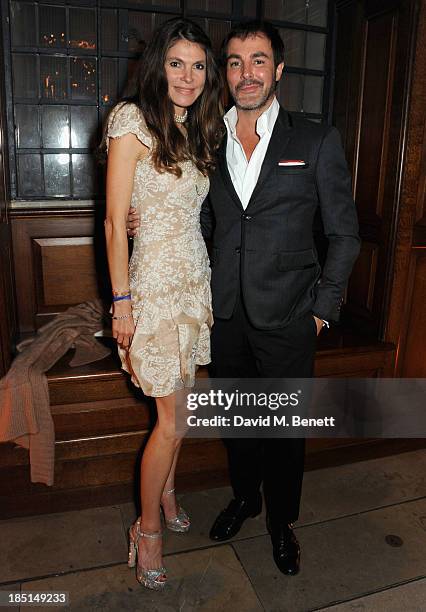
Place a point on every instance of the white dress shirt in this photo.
(244, 174)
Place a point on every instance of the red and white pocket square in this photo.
(286, 163)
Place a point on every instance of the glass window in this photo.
(310, 12)
(83, 78)
(212, 6)
(55, 127)
(57, 174)
(52, 26)
(109, 30)
(25, 76)
(301, 93)
(69, 62)
(84, 127)
(22, 17)
(82, 25)
(27, 132)
(304, 49)
(29, 175)
(54, 77)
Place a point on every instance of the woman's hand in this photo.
(123, 326)
(132, 222)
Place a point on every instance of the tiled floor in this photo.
(362, 531)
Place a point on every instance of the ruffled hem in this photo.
(165, 361)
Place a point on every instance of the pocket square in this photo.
(292, 162)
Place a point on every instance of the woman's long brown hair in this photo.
(150, 93)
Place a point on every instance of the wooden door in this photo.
(374, 56)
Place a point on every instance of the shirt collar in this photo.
(265, 123)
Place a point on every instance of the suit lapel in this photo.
(279, 140)
(226, 177)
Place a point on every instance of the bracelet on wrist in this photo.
(119, 298)
(116, 293)
(126, 316)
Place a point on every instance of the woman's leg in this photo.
(157, 461)
(168, 502)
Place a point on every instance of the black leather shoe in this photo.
(229, 521)
(286, 548)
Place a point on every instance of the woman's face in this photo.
(186, 73)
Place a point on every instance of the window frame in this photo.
(121, 55)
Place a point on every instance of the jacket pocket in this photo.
(301, 170)
(296, 260)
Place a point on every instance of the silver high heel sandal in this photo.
(180, 523)
(149, 578)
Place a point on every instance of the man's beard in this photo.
(259, 103)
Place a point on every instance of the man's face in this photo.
(250, 71)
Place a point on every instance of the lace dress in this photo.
(169, 270)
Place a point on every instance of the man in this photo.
(270, 296)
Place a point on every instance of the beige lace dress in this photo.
(169, 270)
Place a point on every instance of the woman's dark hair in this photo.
(150, 92)
(251, 28)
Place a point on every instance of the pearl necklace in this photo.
(181, 118)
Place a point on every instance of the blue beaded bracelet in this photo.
(118, 298)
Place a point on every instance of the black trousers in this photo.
(241, 351)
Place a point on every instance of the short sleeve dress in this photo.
(169, 270)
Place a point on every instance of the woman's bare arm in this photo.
(123, 155)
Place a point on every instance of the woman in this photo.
(161, 145)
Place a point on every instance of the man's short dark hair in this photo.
(250, 28)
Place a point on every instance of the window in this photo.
(67, 62)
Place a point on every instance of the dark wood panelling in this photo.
(55, 264)
(361, 289)
(378, 70)
(65, 271)
(101, 424)
(406, 320)
(414, 358)
(370, 101)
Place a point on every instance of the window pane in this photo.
(291, 91)
(22, 24)
(84, 127)
(312, 95)
(301, 93)
(317, 13)
(250, 8)
(83, 78)
(29, 175)
(109, 30)
(26, 126)
(315, 51)
(53, 77)
(84, 177)
(128, 77)
(140, 30)
(217, 31)
(164, 3)
(56, 129)
(304, 49)
(109, 80)
(57, 174)
(213, 6)
(52, 26)
(311, 12)
(82, 28)
(25, 76)
(160, 18)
